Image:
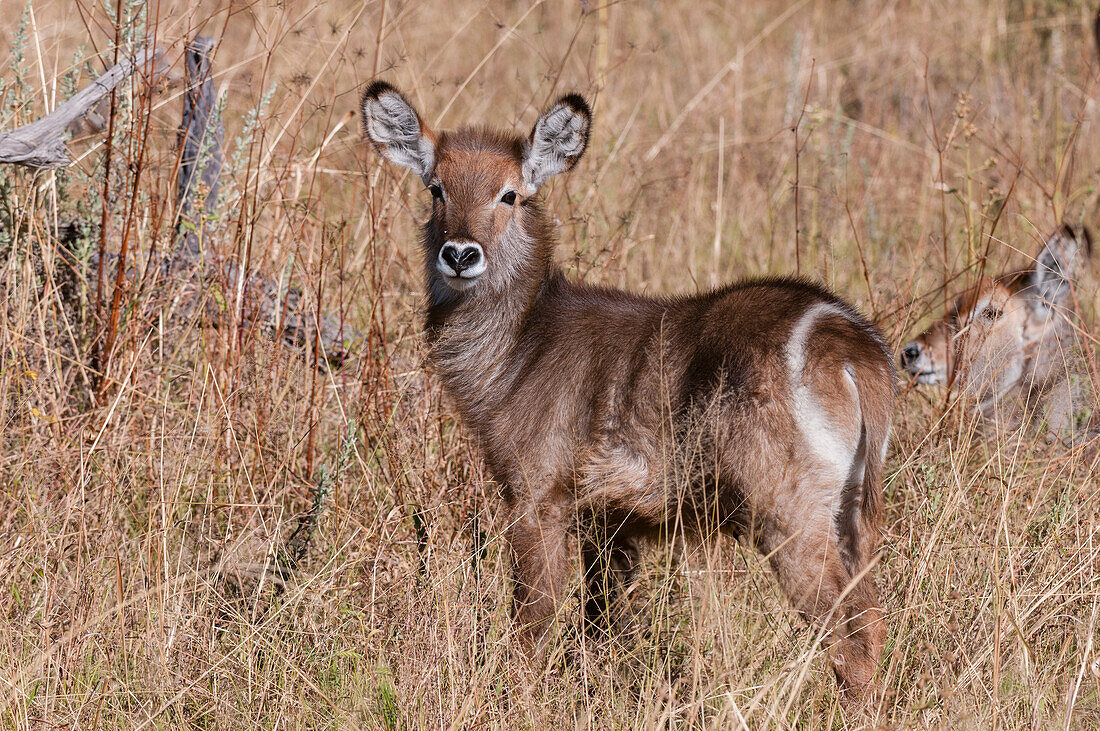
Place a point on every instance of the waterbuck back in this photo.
(761, 409)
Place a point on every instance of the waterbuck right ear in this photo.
(396, 131)
(557, 141)
(1057, 264)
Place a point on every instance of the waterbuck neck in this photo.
(472, 333)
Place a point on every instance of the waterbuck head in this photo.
(486, 232)
(1005, 331)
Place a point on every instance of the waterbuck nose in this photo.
(460, 256)
(910, 354)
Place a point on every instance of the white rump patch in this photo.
(822, 437)
(395, 128)
(559, 138)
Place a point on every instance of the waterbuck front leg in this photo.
(538, 534)
(610, 558)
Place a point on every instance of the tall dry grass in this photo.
(886, 148)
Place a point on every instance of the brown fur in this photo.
(761, 409)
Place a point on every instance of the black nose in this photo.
(910, 354)
(462, 258)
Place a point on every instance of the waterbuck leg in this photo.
(609, 562)
(812, 574)
(539, 539)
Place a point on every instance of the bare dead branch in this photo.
(41, 144)
(202, 137)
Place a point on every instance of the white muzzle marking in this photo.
(461, 263)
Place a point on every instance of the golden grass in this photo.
(133, 520)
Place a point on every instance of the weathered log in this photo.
(201, 136)
(195, 290)
(197, 282)
(41, 144)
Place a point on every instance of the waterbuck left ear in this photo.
(557, 141)
(1057, 264)
(394, 128)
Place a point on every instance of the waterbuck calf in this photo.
(762, 408)
(1009, 343)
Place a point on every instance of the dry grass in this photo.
(140, 492)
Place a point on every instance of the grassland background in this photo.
(132, 522)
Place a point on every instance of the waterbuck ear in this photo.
(394, 128)
(557, 141)
(1057, 264)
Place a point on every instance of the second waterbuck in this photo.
(1013, 344)
(761, 409)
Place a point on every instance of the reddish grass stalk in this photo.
(99, 366)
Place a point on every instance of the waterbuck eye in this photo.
(436, 191)
(991, 313)
(509, 198)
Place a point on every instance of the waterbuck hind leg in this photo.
(609, 564)
(863, 633)
(814, 578)
(539, 540)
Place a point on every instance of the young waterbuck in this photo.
(1009, 342)
(761, 409)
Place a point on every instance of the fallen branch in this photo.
(41, 144)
